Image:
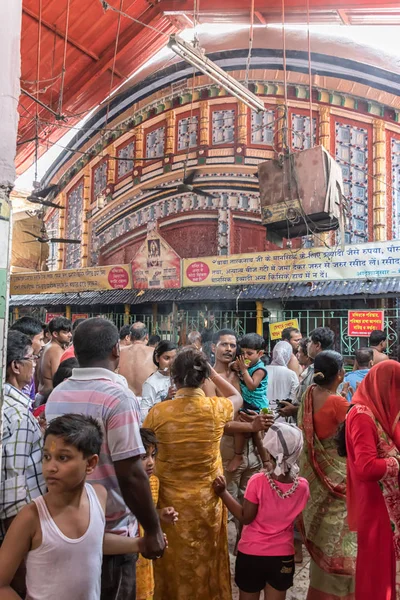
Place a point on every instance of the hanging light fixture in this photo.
(199, 60)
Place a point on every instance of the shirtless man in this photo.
(378, 343)
(136, 361)
(61, 336)
(125, 336)
(293, 336)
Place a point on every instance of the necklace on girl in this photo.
(281, 494)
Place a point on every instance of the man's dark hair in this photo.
(27, 325)
(222, 332)
(124, 331)
(138, 333)
(148, 438)
(94, 340)
(376, 337)
(84, 433)
(154, 340)
(303, 345)
(64, 371)
(59, 324)
(76, 323)
(364, 357)
(252, 341)
(17, 346)
(323, 336)
(287, 333)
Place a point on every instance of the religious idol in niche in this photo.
(153, 253)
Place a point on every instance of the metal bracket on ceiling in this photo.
(53, 112)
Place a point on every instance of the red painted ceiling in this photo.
(70, 47)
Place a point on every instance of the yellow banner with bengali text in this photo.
(275, 329)
(114, 277)
(360, 261)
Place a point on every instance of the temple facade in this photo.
(167, 122)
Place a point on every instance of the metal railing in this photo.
(177, 327)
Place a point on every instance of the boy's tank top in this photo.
(64, 568)
(257, 398)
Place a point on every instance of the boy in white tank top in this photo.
(61, 534)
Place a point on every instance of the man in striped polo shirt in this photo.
(96, 390)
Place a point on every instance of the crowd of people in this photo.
(124, 457)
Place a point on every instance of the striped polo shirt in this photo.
(104, 395)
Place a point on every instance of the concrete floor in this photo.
(297, 592)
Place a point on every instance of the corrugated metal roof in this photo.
(378, 287)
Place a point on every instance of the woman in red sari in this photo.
(325, 529)
(373, 495)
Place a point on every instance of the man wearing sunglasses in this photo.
(21, 466)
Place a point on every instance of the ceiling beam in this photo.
(230, 6)
(260, 17)
(343, 16)
(126, 39)
(71, 41)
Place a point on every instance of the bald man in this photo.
(194, 339)
(136, 361)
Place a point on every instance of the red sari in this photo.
(373, 493)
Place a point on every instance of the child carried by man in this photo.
(253, 376)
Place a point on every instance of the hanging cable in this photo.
(107, 6)
(113, 63)
(53, 64)
(190, 124)
(38, 56)
(60, 102)
(285, 127)
(251, 37)
(310, 75)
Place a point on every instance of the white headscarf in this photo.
(284, 442)
(281, 354)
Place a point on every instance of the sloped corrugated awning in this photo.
(379, 287)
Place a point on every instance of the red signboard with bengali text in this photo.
(80, 316)
(51, 316)
(361, 323)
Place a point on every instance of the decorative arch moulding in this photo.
(298, 94)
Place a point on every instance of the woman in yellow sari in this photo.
(189, 430)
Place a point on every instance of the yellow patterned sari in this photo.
(189, 430)
(144, 567)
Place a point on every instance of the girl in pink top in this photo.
(272, 502)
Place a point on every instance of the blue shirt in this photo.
(353, 378)
(256, 399)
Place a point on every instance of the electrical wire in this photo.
(189, 129)
(285, 91)
(106, 6)
(251, 39)
(310, 74)
(114, 62)
(61, 98)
